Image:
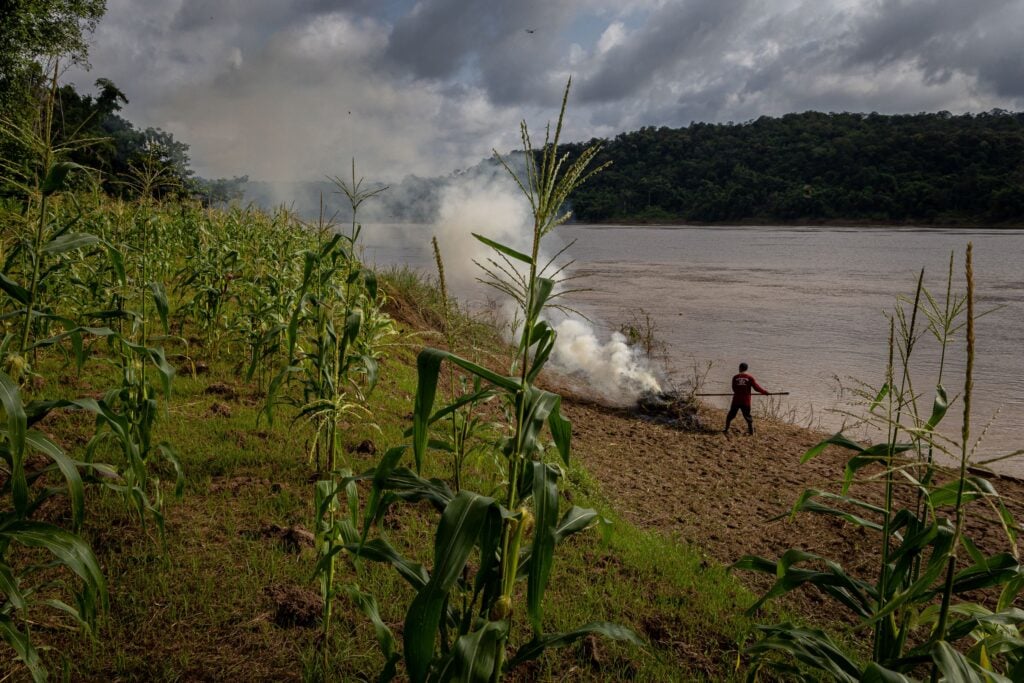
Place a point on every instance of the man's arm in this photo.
(757, 387)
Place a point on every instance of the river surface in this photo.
(806, 308)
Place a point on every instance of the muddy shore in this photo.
(721, 493)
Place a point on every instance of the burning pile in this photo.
(675, 408)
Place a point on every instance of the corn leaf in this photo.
(55, 177)
(939, 407)
(9, 588)
(385, 638)
(561, 430)
(812, 647)
(428, 365)
(353, 323)
(834, 440)
(14, 290)
(167, 450)
(379, 550)
(17, 425)
(508, 251)
(994, 571)
(542, 552)
(372, 369)
(457, 534)
(370, 282)
(539, 407)
(956, 668)
(475, 654)
(879, 397)
(409, 486)
(73, 552)
(116, 259)
(381, 473)
(574, 520)
(543, 338)
(22, 646)
(70, 241)
(536, 647)
(160, 301)
(875, 673)
(76, 492)
(541, 290)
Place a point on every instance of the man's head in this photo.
(743, 367)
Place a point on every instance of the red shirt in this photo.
(741, 386)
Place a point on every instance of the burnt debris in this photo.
(674, 408)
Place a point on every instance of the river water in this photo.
(805, 307)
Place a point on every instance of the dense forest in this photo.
(924, 168)
(42, 119)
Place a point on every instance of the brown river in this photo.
(806, 308)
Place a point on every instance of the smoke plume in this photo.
(610, 370)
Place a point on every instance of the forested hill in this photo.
(923, 168)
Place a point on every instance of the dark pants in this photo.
(735, 408)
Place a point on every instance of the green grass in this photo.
(200, 605)
(201, 609)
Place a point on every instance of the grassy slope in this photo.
(208, 608)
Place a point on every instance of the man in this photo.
(741, 386)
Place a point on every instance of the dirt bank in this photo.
(719, 493)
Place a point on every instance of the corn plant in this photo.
(26, 588)
(208, 276)
(48, 263)
(918, 609)
(458, 624)
(336, 332)
(463, 432)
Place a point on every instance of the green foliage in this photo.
(130, 162)
(336, 331)
(925, 168)
(458, 623)
(176, 613)
(34, 30)
(921, 608)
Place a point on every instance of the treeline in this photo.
(42, 122)
(923, 168)
(117, 157)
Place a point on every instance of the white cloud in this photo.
(614, 35)
(266, 87)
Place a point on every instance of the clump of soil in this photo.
(294, 606)
(293, 538)
(222, 389)
(365, 446)
(220, 410)
(192, 367)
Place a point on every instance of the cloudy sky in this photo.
(293, 89)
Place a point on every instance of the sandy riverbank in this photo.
(720, 493)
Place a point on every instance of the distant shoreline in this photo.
(831, 223)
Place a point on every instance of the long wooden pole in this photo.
(770, 393)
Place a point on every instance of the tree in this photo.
(32, 30)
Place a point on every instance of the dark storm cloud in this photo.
(675, 32)
(896, 29)
(942, 37)
(266, 15)
(508, 46)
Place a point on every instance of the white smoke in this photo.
(614, 369)
(611, 370)
(487, 207)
